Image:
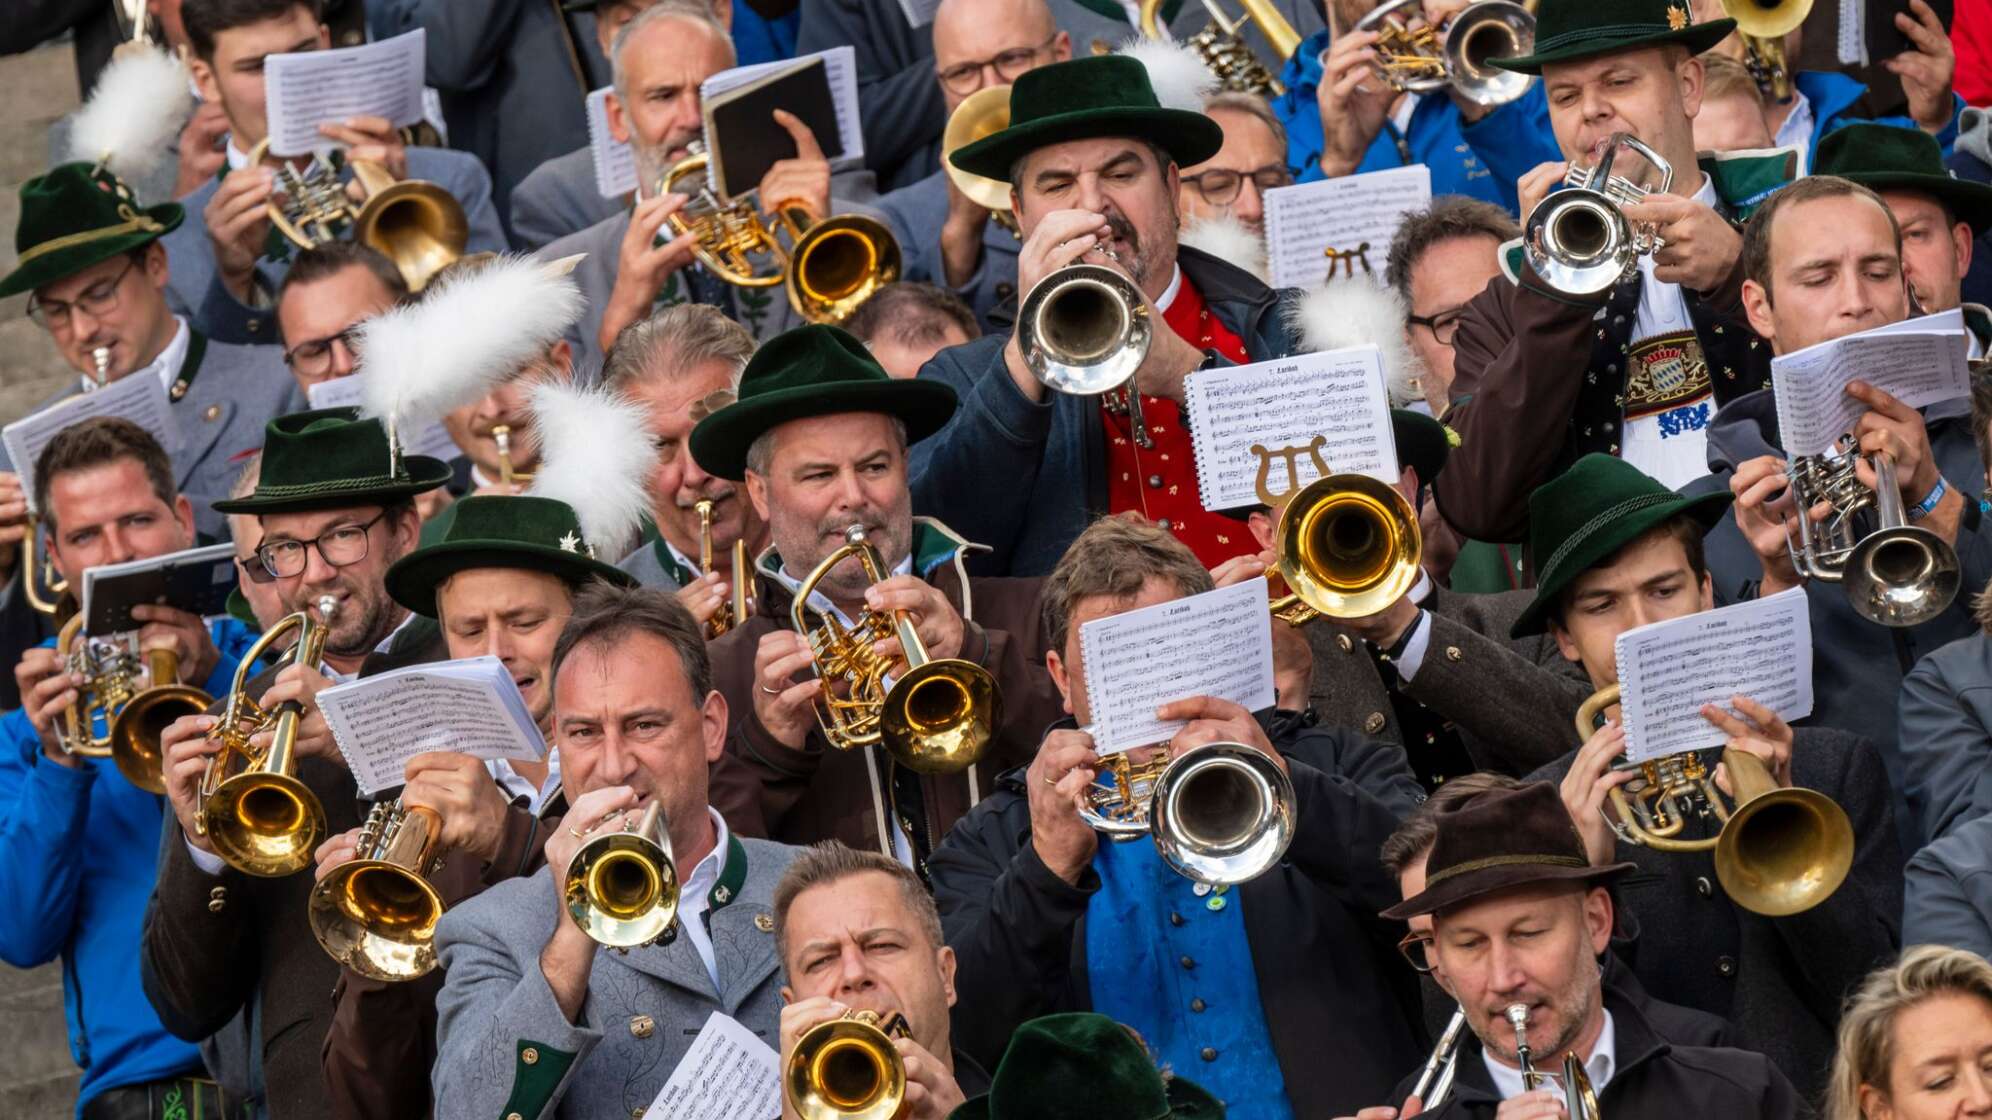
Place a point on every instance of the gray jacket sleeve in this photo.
(1944, 739)
(1947, 897)
(977, 474)
(466, 39)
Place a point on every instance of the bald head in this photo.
(971, 31)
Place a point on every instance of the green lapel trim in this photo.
(1118, 14)
(1744, 179)
(669, 562)
(197, 345)
(1513, 257)
(726, 890)
(536, 1073)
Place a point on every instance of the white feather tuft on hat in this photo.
(1358, 311)
(1179, 77)
(131, 120)
(1225, 237)
(597, 455)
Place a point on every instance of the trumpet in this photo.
(982, 113)
(1763, 24)
(416, 224)
(733, 612)
(828, 268)
(848, 1069)
(133, 717)
(1222, 47)
(377, 914)
(501, 434)
(1577, 239)
(1415, 59)
(937, 718)
(1896, 575)
(140, 725)
(622, 887)
(1348, 546)
(259, 817)
(1084, 329)
(1579, 1101)
(1220, 814)
(1435, 1081)
(1778, 852)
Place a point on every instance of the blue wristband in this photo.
(1928, 505)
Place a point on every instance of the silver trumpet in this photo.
(1415, 57)
(1084, 329)
(1578, 239)
(1435, 1081)
(1897, 574)
(1580, 1102)
(1220, 814)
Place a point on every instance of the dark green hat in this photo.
(1104, 95)
(500, 531)
(812, 371)
(1590, 511)
(331, 458)
(1570, 30)
(1883, 157)
(76, 216)
(1083, 1066)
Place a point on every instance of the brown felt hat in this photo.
(1500, 840)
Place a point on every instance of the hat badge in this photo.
(570, 543)
(1677, 18)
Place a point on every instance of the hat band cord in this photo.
(302, 489)
(134, 222)
(1589, 34)
(1504, 861)
(1630, 505)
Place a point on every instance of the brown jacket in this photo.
(819, 794)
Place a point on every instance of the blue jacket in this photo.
(78, 852)
(1834, 96)
(916, 214)
(1480, 160)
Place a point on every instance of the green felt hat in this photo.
(1883, 157)
(1598, 506)
(1103, 95)
(1570, 30)
(500, 531)
(1084, 1066)
(812, 371)
(330, 458)
(76, 216)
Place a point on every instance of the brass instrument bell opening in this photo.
(139, 727)
(1223, 813)
(377, 914)
(982, 113)
(1348, 545)
(417, 225)
(837, 264)
(621, 887)
(1084, 330)
(939, 717)
(848, 1069)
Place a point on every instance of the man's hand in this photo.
(704, 596)
(1587, 788)
(183, 633)
(185, 748)
(786, 709)
(1354, 101)
(238, 226)
(802, 181)
(302, 683)
(201, 148)
(1215, 721)
(370, 140)
(935, 619)
(931, 1091)
(1893, 427)
(1293, 658)
(1758, 731)
(463, 795)
(1926, 68)
(797, 1020)
(961, 236)
(1054, 783)
(47, 689)
(1763, 506)
(642, 266)
(1535, 186)
(569, 955)
(1698, 246)
(1062, 237)
(1542, 1104)
(343, 848)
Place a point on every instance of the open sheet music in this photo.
(310, 88)
(1287, 402)
(1345, 214)
(430, 439)
(469, 706)
(1219, 643)
(615, 160)
(728, 1074)
(1760, 649)
(139, 398)
(1918, 361)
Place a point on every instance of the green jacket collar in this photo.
(934, 544)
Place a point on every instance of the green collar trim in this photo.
(1978, 320)
(668, 560)
(726, 889)
(1744, 179)
(197, 345)
(537, 1071)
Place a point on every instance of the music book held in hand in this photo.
(469, 706)
(615, 160)
(308, 88)
(1335, 397)
(741, 133)
(1219, 643)
(1760, 649)
(197, 581)
(1355, 216)
(139, 398)
(1918, 361)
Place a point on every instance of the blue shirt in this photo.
(756, 38)
(1175, 966)
(78, 856)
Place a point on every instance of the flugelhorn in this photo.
(1578, 239)
(1763, 24)
(140, 725)
(1347, 544)
(1084, 329)
(260, 819)
(1897, 574)
(982, 113)
(848, 1069)
(733, 612)
(377, 913)
(937, 718)
(622, 886)
(416, 224)
(1780, 851)
(1222, 47)
(1579, 1101)
(1416, 57)
(1219, 814)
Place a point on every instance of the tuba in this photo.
(1779, 851)
(1084, 329)
(259, 817)
(416, 224)
(1763, 24)
(622, 887)
(1220, 814)
(1896, 575)
(733, 612)
(1577, 239)
(1579, 1101)
(937, 718)
(1425, 59)
(848, 1069)
(982, 113)
(377, 914)
(1222, 47)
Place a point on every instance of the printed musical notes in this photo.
(1286, 402)
(1760, 649)
(1918, 361)
(615, 160)
(138, 397)
(1219, 643)
(1304, 222)
(310, 88)
(469, 706)
(727, 1074)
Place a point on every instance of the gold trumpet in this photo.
(414, 223)
(377, 914)
(141, 724)
(1780, 851)
(1416, 57)
(622, 887)
(1222, 47)
(1580, 1102)
(937, 718)
(734, 612)
(133, 717)
(1763, 24)
(982, 113)
(501, 434)
(259, 817)
(1348, 545)
(848, 1069)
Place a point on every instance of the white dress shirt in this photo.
(692, 903)
(1602, 1063)
(166, 366)
(1679, 456)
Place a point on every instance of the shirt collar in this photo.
(517, 785)
(237, 158)
(699, 884)
(819, 602)
(1168, 295)
(683, 560)
(1602, 1063)
(167, 365)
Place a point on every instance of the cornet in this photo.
(622, 887)
(1084, 329)
(259, 817)
(1779, 851)
(982, 113)
(43, 594)
(1222, 46)
(1579, 1101)
(1222, 813)
(1896, 575)
(733, 612)
(1577, 239)
(1763, 24)
(132, 717)
(848, 1069)
(416, 224)
(377, 914)
(1415, 59)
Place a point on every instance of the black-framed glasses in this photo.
(340, 547)
(1444, 326)
(1416, 948)
(965, 78)
(313, 357)
(1219, 186)
(97, 301)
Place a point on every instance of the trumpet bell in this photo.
(1477, 36)
(1784, 851)
(1348, 545)
(1902, 576)
(1084, 330)
(417, 225)
(138, 728)
(940, 717)
(1221, 814)
(377, 918)
(622, 890)
(982, 113)
(846, 1069)
(837, 264)
(264, 823)
(1767, 19)
(1579, 242)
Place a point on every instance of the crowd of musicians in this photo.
(789, 563)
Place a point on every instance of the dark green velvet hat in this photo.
(812, 371)
(1084, 1066)
(1104, 95)
(500, 531)
(1598, 506)
(74, 217)
(330, 458)
(1570, 30)
(1883, 157)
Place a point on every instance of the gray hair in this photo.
(762, 451)
(1448, 217)
(695, 12)
(672, 342)
(1252, 105)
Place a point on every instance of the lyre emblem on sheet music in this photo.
(1347, 260)
(1290, 455)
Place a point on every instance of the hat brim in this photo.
(1971, 202)
(1187, 1101)
(1697, 37)
(53, 266)
(1469, 885)
(424, 475)
(413, 579)
(1189, 138)
(1616, 534)
(720, 441)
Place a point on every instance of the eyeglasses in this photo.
(965, 78)
(99, 300)
(340, 547)
(1417, 949)
(313, 358)
(1444, 326)
(1220, 185)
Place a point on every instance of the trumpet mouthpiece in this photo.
(1518, 1014)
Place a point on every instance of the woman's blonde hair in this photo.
(1867, 1027)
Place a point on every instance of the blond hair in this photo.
(1867, 1025)
(1726, 77)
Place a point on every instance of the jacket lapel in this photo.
(677, 964)
(200, 417)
